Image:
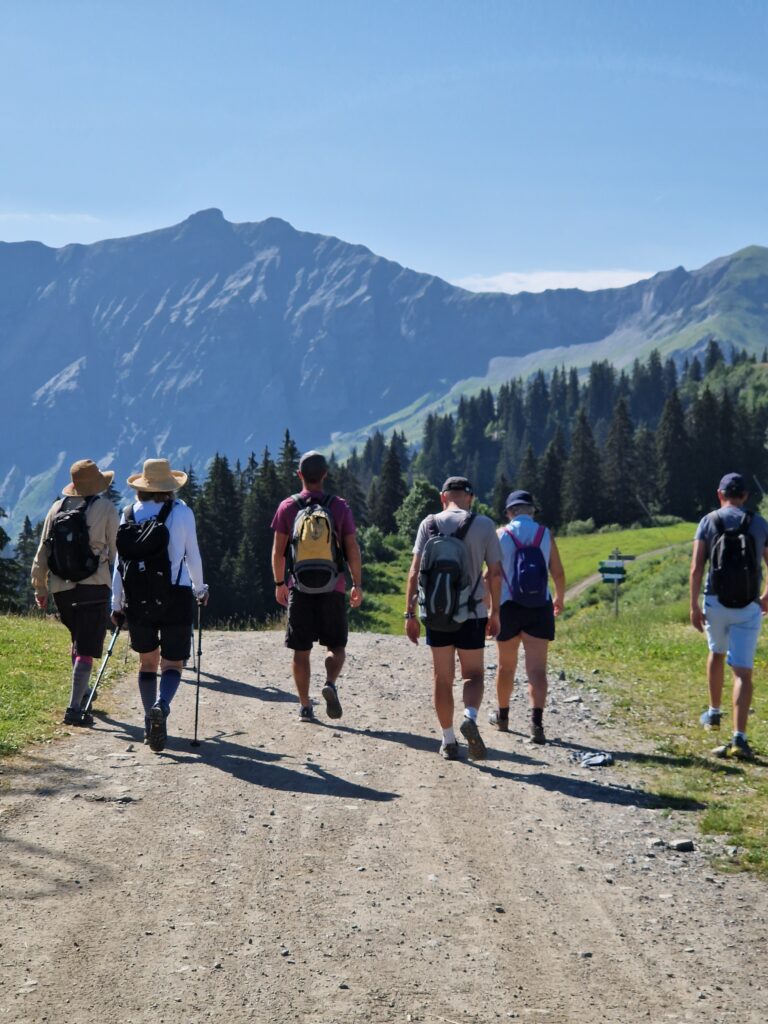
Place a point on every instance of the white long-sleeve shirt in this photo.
(183, 549)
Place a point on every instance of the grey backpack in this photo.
(446, 592)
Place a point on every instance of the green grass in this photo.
(35, 679)
(651, 664)
(581, 555)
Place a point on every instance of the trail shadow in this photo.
(260, 767)
(585, 789)
(236, 687)
(424, 744)
(46, 872)
(45, 777)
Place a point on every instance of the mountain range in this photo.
(212, 336)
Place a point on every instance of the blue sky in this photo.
(483, 141)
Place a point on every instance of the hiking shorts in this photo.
(172, 633)
(732, 631)
(316, 617)
(84, 610)
(470, 636)
(516, 619)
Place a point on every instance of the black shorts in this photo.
(516, 618)
(470, 636)
(85, 612)
(316, 617)
(172, 633)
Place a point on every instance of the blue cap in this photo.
(733, 485)
(519, 498)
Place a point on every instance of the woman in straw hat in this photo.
(83, 605)
(163, 644)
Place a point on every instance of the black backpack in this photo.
(734, 572)
(446, 594)
(144, 564)
(69, 548)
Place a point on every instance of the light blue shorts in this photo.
(733, 631)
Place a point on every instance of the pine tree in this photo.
(348, 487)
(551, 471)
(673, 456)
(391, 492)
(217, 514)
(582, 488)
(706, 448)
(528, 475)
(190, 492)
(9, 574)
(620, 505)
(713, 356)
(288, 464)
(644, 489)
(26, 548)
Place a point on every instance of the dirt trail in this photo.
(343, 872)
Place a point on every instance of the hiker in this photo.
(733, 541)
(529, 558)
(157, 579)
(446, 577)
(314, 536)
(72, 563)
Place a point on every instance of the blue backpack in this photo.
(530, 575)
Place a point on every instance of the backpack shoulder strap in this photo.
(128, 514)
(432, 528)
(165, 511)
(462, 531)
(746, 522)
(517, 543)
(539, 536)
(717, 521)
(301, 502)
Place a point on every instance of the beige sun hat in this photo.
(157, 475)
(87, 479)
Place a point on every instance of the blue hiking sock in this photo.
(148, 689)
(169, 684)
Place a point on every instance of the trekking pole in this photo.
(95, 688)
(196, 742)
(194, 661)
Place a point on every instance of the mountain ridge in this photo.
(210, 335)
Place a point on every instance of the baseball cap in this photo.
(313, 465)
(733, 484)
(457, 483)
(519, 498)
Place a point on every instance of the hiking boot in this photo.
(306, 714)
(450, 751)
(737, 748)
(332, 703)
(502, 724)
(158, 732)
(76, 716)
(471, 734)
(537, 734)
(147, 727)
(711, 719)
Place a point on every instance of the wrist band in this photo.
(279, 583)
(409, 615)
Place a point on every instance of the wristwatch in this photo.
(279, 583)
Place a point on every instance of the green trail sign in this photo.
(612, 571)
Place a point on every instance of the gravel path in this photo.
(343, 872)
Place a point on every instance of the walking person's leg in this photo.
(333, 633)
(506, 668)
(536, 651)
(443, 673)
(472, 664)
(301, 669)
(742, 698)
(334, 662)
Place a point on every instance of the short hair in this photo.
(154, 495)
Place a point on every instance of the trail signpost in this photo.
(612, 571)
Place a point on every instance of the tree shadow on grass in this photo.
(261, 767)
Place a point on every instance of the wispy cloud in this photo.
(18, 217)
(513, 282)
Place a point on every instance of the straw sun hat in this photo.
(157, 475)
(87, 479)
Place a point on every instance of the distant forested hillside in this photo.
(617, 447)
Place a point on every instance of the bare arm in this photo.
(40, 565)
(698, 561)
(764, 595)
(355, 563)
(557, 572)
(279, 544)
(412, 625)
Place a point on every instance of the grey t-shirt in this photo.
(481, 542)
(732, 517)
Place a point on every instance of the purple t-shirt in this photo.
(341, 514)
